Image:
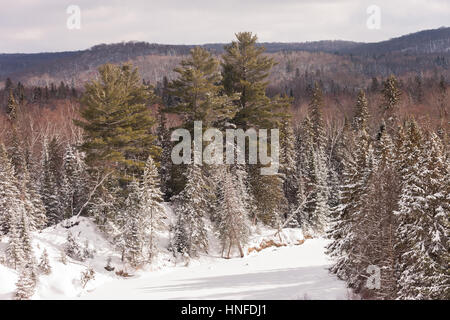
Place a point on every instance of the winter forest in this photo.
(369, 178)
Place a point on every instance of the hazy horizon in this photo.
(207, 43)
(29, 27)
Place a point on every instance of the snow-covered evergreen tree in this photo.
(44, 263)
(271, 204)
(191, 208)
(379, 223)
(341, 228)
(72, 248)
(361, 115)
(288, 167)
(106, 208)
(16, 151)
(32, 202)
(14, 251)
(14, 217)
(314, 166)
(74, 184)
(423, 230)
(298, 216)
(9, 193)
(232, 224)
(25, 236)
(165, 168)
(347, 227)
(26, 284)
(50, 190)
(244, 189)
(19, 251)
(152, 210)
(391, 98)
(316, 210)
(409, 144)
(317, 130)
(132, 238)
(141, 218)
(322, 211)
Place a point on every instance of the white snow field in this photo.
(292, 272)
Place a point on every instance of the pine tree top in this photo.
(117, 123)
(361, 111)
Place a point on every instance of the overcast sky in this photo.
(36, 26)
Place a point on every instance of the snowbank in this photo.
(265, 249)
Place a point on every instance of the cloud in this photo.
(32, 26)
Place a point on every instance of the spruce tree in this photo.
(32, 201)
(348, 228)
(436, 284)
(364, 159)
(133, 236)
(423, 227)
(315, 114)
(418, 90)
(74, 182)
(243, 188)
(14, 251)
(44, 263)
(141, 218)
(16, 152)
(26, 283)
(26, 241)
(288, 158)
(165, 160)
(12, 106)
(151, 206)
(341, 230)
(19, 251)
(232, 222)
(191, 209)
(379, 221)
(442, 103)
(361, 114)
(300, 215)
(270, 201)
(391, 98)
(50, 190)
(9, 193)
(314, 165)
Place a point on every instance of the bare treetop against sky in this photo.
(35, 26)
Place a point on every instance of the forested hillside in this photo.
(363, 161)
(424, 51)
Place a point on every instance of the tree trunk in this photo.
(240, 249)
(229, 250)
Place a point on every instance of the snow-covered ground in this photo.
(291, 272)
(296, 269)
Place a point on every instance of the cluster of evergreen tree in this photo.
(34, 195)
(393, 207)
(227, 95)
(40, 95)
(382, 198)
(230, 94)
